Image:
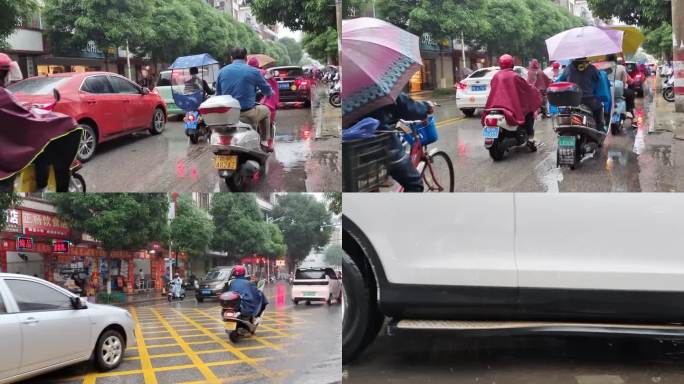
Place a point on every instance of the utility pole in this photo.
(338, 13)
(678, 52)
(128, 61)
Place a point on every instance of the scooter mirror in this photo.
(56, 94)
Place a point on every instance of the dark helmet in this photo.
(239, 271)
(506, 61)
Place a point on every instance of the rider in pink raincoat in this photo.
(270, 101)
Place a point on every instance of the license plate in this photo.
(191, 125)
(478, 88)
(230, 325)
(283, 85)
(490, 132)
(309, 294)
(567, 141)
(228, 162)
(616, 118)
(206, 291)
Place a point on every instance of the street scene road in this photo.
(305, 157)
(185, 342)
(444, 358)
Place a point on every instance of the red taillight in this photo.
(462, 86)
(224, 140)
(205, 111)
(491, 121)
(302, 83)
(638, 76)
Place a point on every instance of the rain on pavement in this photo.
(168, 162)
(638, 160)
(185, 342)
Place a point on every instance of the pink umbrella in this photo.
(584, 42)
(377, 61)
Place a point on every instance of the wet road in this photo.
(634, 161)
(440, 358)
(168, 162)
(185, 342)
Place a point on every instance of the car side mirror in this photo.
(145, 91)
(78, 302)
(56, 94)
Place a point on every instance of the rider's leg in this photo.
(402, 170)
(629, 99)
(529, 125)
(264, 118)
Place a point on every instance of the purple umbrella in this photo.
(584, 42)
(377, 61)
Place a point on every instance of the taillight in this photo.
(462, 86)
(205, 111)
(302, 83)
(491, 121)
(218, 139)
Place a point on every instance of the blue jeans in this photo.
(402, 170)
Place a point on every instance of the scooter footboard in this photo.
(593, 134)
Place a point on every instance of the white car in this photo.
(472, 92)
(44, 327)
(488, 263)
(316, 284)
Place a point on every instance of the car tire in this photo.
(468, 112)
(308, 302)
(329, 301)
(158, 122)
(295, 301)
(112, 342)
(200, 299)
(88, 144)
(339, 298)
(362, 318)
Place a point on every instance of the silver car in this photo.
(44, 327)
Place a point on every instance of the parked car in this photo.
(294, 85)
(163, 87)
(316, 284)
(472, 92)
(637, 77)
(211, 286)
(44, 327)
(105, 104)
(505, 264)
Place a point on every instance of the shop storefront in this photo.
(437, 69)
(88, 59)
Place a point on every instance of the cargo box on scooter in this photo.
(564, 94)
(220, 111)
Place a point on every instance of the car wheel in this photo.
(468, 112)
(308, 302)
(329, 301)
(88, 143)
(295, 301)
(361, 319)
(109, 350)
(158, 122)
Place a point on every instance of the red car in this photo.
(294, 85)
(105, 104)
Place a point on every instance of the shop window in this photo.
(32, 296)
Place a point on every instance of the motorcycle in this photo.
(188, 91)
(500, 137)
(578, 134)
(334, 95)
(620, 114)
(236, 324)
(238, 156)
(175, 294)
(668, 89)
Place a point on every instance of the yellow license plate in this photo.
(228, 162)
(294, 88)
(231, 325)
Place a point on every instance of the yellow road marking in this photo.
(206, 372)
(442, 123)
(259, 339)
(251, 361)
(145, 362)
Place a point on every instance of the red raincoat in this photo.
(514, 95)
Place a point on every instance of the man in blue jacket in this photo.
(252, 300)
(241, 81)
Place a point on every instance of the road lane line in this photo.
(442, 123)
(145, 362)
(197, 361)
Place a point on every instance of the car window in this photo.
(123, 86)
(310, 274)
(479, 73)
(96, 85)
(164, 79)
(33, 296)
(38, 85)
(631, 67)
(288, 72)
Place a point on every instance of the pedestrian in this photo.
(166, 281)
(538, 79)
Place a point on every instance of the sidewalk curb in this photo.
(668, 120)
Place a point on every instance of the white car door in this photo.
(464, 239)
(52, 331)
(334, 282)
(600, 241)
(10, 334)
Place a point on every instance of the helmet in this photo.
(5, 62)
(506, 61)
(556, 65)
(239, 271)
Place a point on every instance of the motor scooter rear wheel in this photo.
(234, 337)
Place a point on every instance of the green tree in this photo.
(305, 224)
(274, 246)
(191, 229)
(238, 224)
(322, 46)
(334, 200)
(659, 41)
(173, 31)
(548, 19)
(10, 18)
(126, 221)
(313, 16)
(333, 254)
(294, 49)
(7, 200)
(649, 14)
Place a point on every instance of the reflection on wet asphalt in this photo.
(637, 160)
(440, 358)
(168, 162)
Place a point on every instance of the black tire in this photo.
(200, 299)
(497, 151)
(169, 297)
(194, 138)
(156, 128)
(615, 129)
(468, 112)
(308, 302)
(335, 100)
(108, 336)
(234, 337)
(295, 301)
(330, 299)
(88, 140)
(80, 186)
(237, 183)
(362, 319)
(669, 95)
(448, 183)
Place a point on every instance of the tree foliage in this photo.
(238, 224)
(649, 14)
(314, 16)
(334, 200)
(305, 224)
(322, 46)
(191, 229)
(12, 13)
(293, 48)
(7, 200)
(173, 32)
(659, 41)
(274, 246)
(333, 254)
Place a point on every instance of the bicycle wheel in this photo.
(438, 175)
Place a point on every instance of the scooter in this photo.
(195, 128)
(334, 96)
(500, 137)
(175, 294)
(620, 114)
(668, 89)
(578, 134)
(237, 325)
(238, 156)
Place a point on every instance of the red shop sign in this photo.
(60, 246)
(24, 243)
(41, 224)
